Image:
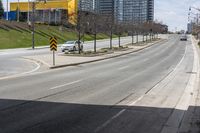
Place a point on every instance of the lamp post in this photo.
(132, 24)
(198, 9)
(7, 11)
(18, 11)
(197, 19)
(196, 16)
(95, 29)
(33, 25)
(28, 20)
(33, 22)
(112, 23)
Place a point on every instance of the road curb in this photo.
(86, 62)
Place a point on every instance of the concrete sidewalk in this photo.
(63, 60)
(191, 120)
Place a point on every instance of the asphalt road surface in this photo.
(135, 93)
(13, 64)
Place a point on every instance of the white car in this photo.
(71, 46)
(183, 37)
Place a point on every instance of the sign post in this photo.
(53, 47)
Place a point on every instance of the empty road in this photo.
(135, 93)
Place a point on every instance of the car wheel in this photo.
(74, 48)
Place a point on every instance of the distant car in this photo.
(183, 37)
(71, 46)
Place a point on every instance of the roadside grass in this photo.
(22, 39)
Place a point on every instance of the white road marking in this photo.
(3, 53)
(38, 67)
(24, 73)
(124, 67)
(59, 86)
(137, 100)
(109, 121)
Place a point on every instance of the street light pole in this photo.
(18, 11)
(28, 12)
(194, 8)
(132, 26)
(7, 11)
(196, 16)
(112, 23)
(33, 25)
(95, 30)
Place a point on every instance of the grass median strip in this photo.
(99, 52)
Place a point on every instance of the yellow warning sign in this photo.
(53, 43)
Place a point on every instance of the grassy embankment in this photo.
(13, 35)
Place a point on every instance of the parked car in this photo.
(71, 46)
(183, 37)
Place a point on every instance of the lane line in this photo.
(109, 121)
(137, 100)
(59, 86)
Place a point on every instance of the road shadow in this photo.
(21, 116)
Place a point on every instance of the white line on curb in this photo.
(59, 86)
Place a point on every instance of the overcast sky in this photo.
(174, 13)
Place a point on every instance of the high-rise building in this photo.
(150, 10)
(86, 5)
(105, 7)
(137, 11)
(190, 27)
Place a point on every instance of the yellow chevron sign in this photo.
(53, 44)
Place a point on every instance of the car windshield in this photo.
(69, 42)
(183, 35)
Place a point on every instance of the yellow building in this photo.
(70, 6)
